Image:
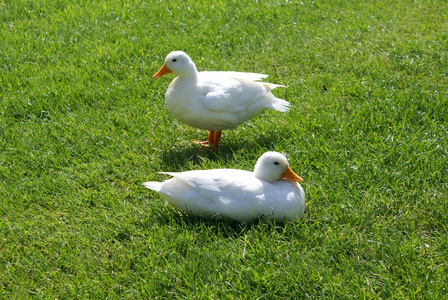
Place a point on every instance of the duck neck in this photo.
(260, 174)
(190, 73)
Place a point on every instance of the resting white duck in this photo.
(270, 191)
(215, 101)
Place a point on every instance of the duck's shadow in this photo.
(175, 156)
(223, 227)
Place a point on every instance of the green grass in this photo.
(82, 125)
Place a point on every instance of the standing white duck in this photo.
(272, 191)
(215, 101)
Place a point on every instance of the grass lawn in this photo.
(83, 124)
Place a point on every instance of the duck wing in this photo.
(221, 186)
(225, 94)
(232, 74)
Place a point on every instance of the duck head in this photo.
(178, 63)
(273, 166)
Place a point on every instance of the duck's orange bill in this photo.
(163, 70)
(290, 175)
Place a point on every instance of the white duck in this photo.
(271, 191)
(215, 100)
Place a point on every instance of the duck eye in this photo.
(276, 163)
(174, 60)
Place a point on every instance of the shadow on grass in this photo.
(177, 155)
(175, 158)
(223, 227)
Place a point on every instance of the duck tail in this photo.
(271, 86)
(153, 185)
(280, 105)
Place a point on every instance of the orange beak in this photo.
(290, 175)
(163, 70)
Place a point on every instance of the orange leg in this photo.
(211, 137)
(212, 140)
(216, 138)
